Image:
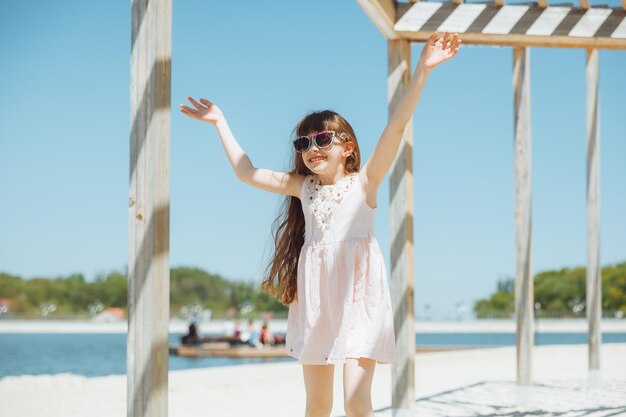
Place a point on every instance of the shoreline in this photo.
(451, 383)
(280, 326)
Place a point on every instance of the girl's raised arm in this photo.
(434, 53)
(265, 179)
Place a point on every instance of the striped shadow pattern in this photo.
(550, 398)
(560, 26)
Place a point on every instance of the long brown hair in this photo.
(288, 227)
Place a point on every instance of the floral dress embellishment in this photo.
(324, 198)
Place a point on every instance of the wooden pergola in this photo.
(519, 26)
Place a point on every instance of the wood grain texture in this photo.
(524, 304)
(383, 14)
(594, 273)
(401, 230)
(149, 209)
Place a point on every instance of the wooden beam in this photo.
(542, 3)
(624, 4)
(515, 25)
(149, 209)
(584, 4)
(523, 197)
(383, 14)
(594, 273)
(401, 231)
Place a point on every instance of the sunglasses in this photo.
(323, 139)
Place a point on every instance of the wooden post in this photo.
(523, 271)
(149, 209)
(594, 273)
(401, 230)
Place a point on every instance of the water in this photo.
(508, 339)
(89, 354)
(99, 354)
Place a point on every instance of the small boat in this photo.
(225, 349)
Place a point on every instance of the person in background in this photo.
(238, 328)
(191, 337)
(252, 333)
(266, 334)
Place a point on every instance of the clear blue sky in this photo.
(64, 141)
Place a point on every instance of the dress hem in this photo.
(380, 359)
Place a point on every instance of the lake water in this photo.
(99, 354)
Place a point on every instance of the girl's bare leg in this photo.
(318, 381)
(357, 386)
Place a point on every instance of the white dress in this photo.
(343, 308)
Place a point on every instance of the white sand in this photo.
(455, 383)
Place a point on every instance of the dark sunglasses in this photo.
(323, 139)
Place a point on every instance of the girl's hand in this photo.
(440, 50)
(210, 114)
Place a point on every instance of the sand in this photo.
(475, 382)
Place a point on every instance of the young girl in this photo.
(327, 264)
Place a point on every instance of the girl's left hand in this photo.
(439, 50)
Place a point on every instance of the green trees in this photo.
(500, 304)
(194, 286)
(73, 295)
(559, 293)
(614, 288)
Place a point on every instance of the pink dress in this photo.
(343, 309)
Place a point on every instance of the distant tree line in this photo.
(559, 293)
(556, 293)
(73, 295)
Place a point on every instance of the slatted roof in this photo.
(497, 23)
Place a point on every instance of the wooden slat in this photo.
(383, 14)
(524, 41)
(523, 190)
(401, 231)
(148, 213)
(594, 277)
(515, 25)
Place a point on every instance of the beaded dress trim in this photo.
(324, 198)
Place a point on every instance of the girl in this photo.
(327, 264)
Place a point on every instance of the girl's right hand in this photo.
(210, 114)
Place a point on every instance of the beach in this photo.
(472, 382)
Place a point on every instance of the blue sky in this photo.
(64, 141)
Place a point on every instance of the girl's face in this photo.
(327, 161)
